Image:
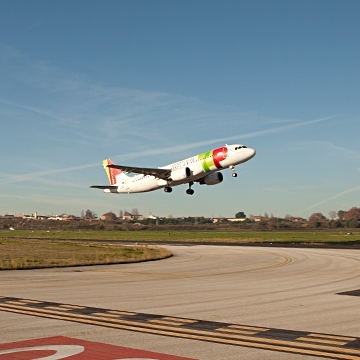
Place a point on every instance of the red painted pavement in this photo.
(60, 347)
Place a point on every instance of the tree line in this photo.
(341, 219)
(336, 220)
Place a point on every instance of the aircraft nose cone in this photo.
(251, 152)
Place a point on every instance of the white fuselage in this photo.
(200, 166)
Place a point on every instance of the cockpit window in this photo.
(240, 147)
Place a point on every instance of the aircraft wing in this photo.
(159, 173)
(104, 187)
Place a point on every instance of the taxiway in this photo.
(271, 303)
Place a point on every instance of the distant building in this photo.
(151, 216)
(297, 219)
(127, 216)
(24, 216)
(55, 217)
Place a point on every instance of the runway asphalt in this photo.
(206, 302)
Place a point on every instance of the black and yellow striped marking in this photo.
(306, 343)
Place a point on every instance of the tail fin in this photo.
(111, 172)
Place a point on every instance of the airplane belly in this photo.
(144, 184)
(162, 183)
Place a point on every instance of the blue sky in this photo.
(148, 83)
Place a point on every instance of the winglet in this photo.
(111, 172)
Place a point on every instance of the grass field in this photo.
(30, 254)
(192, 236)
(28, 249)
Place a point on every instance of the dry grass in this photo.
(32, 254)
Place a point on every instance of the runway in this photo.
(206, 302)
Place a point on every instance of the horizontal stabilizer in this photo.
(103, 187)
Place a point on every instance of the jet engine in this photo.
(180, 174)
(212, 179)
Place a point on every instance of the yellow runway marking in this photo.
(336, 337)
(179, 320)
(287, 260)
(244, 327)
(170, 322)
(73, 307)
(237, 331)
(112, 316)
(262, 266)
(58, 308)
(16, 302)
(327, 339)
(121, 312)
(312, 344)
(324, 341)
(31, 301)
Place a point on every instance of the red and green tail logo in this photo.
(111, 172)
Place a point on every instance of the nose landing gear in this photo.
(168, 189)
(234, 174)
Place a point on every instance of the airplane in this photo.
(202, 168)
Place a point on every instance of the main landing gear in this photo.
(234, 174)
(190, 191)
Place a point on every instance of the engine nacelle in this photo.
(180, 174)
(212, 179)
